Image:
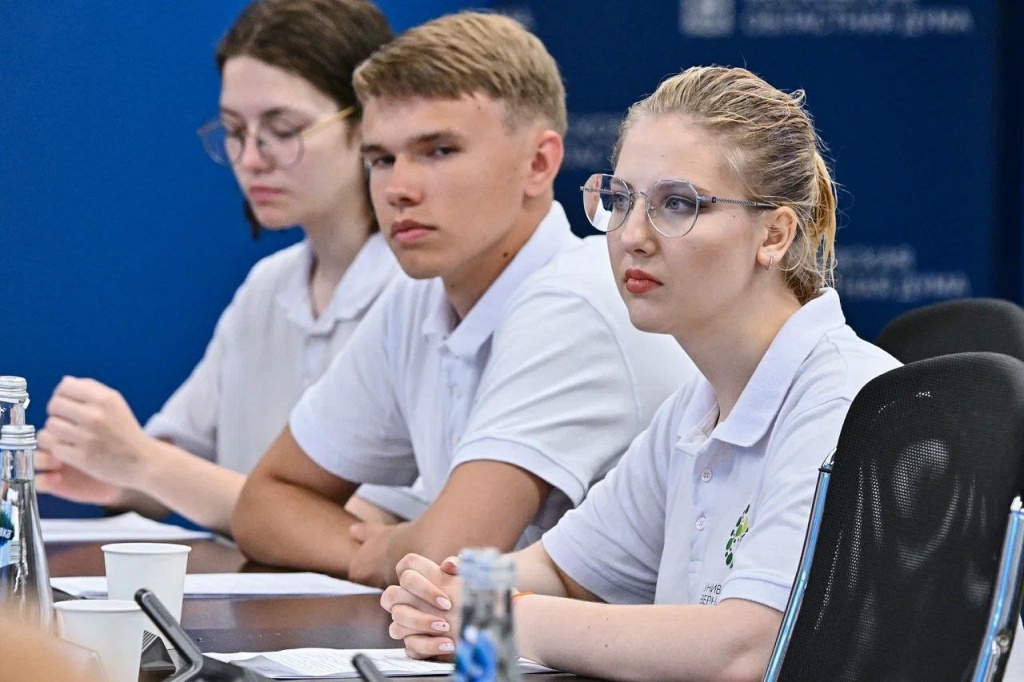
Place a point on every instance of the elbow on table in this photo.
(745, 669)
(749, 664)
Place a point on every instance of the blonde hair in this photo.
(772, 147)
(466, 54)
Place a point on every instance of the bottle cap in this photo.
(13, 389)
(17, 436)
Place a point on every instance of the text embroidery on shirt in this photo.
(710, 595)
(740, 530)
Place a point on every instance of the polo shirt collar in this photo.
(762, 398)
(366, 277)
(465, 340)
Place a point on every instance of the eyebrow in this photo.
(269, 113)
(424, 139)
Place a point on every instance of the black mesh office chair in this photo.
(911, 566)
(957, 326)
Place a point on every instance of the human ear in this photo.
(547, 151)
(780, 228)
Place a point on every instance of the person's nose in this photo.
(637, 235)
(404, 184)
(252, 157)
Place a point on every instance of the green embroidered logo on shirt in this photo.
(741, 528)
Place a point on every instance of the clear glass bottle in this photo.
(13, 400)
(486, 650)
(24, 574)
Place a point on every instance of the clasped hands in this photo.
(424, 606)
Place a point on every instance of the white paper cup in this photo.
(156, 566)
(110, 627)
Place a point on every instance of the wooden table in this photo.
(259, 624)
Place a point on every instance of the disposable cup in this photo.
(110, 627)
(156, 566)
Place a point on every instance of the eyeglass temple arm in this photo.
(740, 202)
(344, 113)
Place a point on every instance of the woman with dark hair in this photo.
(288, 127)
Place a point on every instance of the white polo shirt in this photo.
(266, 349)
(545, 372)
(696, 513)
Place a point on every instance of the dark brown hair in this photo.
(321, 41)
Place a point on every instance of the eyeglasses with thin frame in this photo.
(281, 145)
(672, 206)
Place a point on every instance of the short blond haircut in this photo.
(772, 147)
(470, 53)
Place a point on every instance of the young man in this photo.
(505, 374)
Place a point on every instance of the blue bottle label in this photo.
(476, 659)
(6, 533)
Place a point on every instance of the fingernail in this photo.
(444, 603)
(440, 625)
(447, 647)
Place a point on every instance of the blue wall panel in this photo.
(120, 242)
(905, 92)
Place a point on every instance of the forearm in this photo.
(282, 524)
(730, 641)
(135, 500)
(436, 542)
(174, 479)
(484, 503)
(537, 573)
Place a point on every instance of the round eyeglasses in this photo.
(672, 206)
(277, 141)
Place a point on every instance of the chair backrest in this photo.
(958, 326)
(929, 459)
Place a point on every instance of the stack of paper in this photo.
(225, 585)
(293, 664)
(127, 527)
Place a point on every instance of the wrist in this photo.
(152, 458)
(524, 646)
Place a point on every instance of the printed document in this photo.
(225, 585)
(292, 664)
(128, 527)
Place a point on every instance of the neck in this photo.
(467, 285)
(335, 240)
(747, 332)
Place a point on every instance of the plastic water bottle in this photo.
(13, 400)
(486, 651)
(24, 574)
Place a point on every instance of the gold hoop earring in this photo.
(771, 262)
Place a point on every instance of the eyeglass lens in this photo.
(279, 144)
(671, 205)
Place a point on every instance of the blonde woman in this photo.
(721, 218)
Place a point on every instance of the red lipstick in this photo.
(639, 282)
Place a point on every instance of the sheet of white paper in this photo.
(293, 664)
(121, 528)
(220, 585)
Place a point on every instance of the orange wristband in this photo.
(517, 595)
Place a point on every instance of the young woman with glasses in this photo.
(720, 217)
(288, 129)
